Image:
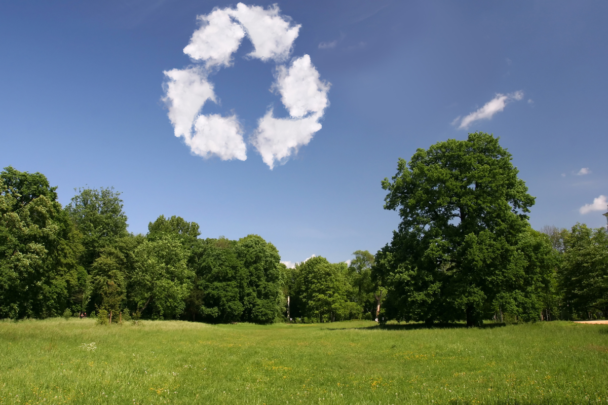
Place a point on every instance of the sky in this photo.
(281, 119)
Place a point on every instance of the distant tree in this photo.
(584, 270)
(323, 288)
(108, 280)
(174, 225)
(366, 291)
(160, 277)
(220, 275)
(99, 216)
(529, 286)
(261, 291)
(463, 211)
(556, 235)
(238, 280)
(39, 248)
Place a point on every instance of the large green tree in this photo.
(39, 248)
(463, 210)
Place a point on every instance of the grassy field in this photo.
(76, 361)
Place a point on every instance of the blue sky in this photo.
(84, 101)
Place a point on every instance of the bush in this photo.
(126, 316)
(93, 315)
(67, 314)
(102, 318)
(510, 319)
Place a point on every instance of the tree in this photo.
(260, 290)
(39, 248)
(174, 225)
(584, 270)
(238, 280)
(366, 292)
(322, 289)
(463, 209)
(160, 277)
(556, 236)
(99, 216)
(219, 274)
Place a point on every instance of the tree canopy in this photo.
(463, 212)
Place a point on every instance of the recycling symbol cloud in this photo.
(211, 47)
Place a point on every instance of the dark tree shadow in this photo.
(416, 326)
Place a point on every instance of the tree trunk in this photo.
(120, 318)
(110, 317)
(379, 300)
(470, 312)
(288, 314)
(145, 305)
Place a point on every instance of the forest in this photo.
(463, 251)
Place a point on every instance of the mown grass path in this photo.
(54, 361)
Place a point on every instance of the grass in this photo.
(76, 361)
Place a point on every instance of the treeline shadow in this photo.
(417, 326)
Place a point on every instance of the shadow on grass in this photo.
(416, 326)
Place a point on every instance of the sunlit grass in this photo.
(76, 361)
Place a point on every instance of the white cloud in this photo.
(217, 135)
(301, 89)
(328, 45)
(348, 262)
(599, 204)
(213, 43)
(186, 92)
(305, 97)
(497, 104)
(272, 35)
(583, 171)
(216, 40)
(277, 138)
(563, 174)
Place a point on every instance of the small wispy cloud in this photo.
(328, 45)
(583, 171)
(599, 204)
(496, 105)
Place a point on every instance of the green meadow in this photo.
(76, 361)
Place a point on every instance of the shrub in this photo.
(93, 315)
(102, 318)
(67, 314)
(126, 316)
(510, 319)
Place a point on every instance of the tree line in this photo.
(463, 251)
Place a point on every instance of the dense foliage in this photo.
(464, 250)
